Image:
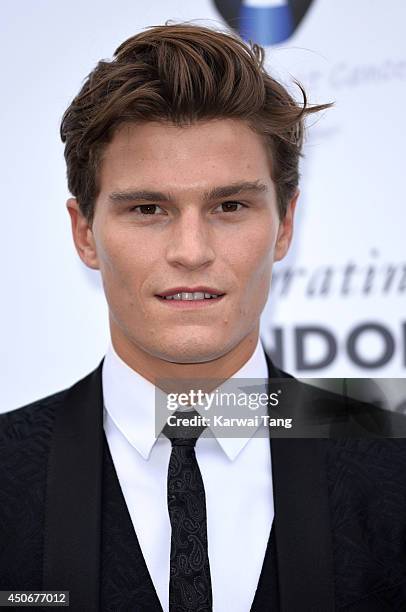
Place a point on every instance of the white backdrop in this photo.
(337, 303)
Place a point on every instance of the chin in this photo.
(191, 350)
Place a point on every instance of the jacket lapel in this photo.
(302, 522)
(73, 504)
(88, 530)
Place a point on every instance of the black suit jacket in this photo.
(338, 540)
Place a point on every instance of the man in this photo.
(182, 157)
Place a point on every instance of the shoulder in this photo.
(338, 408)
(30, 420)
(34, 421)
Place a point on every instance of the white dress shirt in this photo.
(237, 478)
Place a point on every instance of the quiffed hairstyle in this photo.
(182, 74)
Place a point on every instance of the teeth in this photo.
(197, 295)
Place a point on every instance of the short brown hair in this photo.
(182, 73)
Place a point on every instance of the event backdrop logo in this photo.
(266, 22)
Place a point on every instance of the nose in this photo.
(189, 243)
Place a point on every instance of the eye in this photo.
(231, 206)
(145, 209)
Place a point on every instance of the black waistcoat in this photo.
(125, 580)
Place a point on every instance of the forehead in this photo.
(222, 150)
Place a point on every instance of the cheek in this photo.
(122, 262)
(255, 257)
(254, 272)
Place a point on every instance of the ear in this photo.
(285, 231)
(82, 235)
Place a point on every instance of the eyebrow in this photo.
(225, 191)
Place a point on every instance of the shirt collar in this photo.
(129, 400)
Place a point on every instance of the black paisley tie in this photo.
(190, 582)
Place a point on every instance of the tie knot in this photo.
(184, 428)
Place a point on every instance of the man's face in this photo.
(186, 207)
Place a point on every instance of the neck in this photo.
(154, 368)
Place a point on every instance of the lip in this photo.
(200, 289)
(191, 304)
